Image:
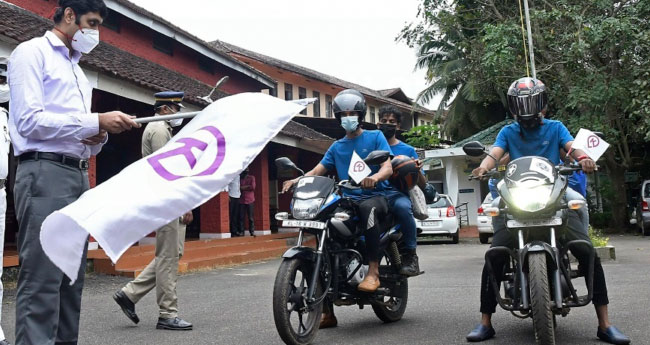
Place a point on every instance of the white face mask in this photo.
(175, 122)
(4, 93)
(85, 41)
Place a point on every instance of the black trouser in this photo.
(576, 229)
(47, 306)
(243, 210)
(234, 216)
(371, 212)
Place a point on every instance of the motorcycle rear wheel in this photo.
(540, 298)
(391, 309)
(296, 321)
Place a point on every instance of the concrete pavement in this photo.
(233, 305)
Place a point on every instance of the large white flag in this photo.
(192, 168)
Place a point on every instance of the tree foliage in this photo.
(423, 137)
(592, 55)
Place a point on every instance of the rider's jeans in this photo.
(576, 229)
(400, 205)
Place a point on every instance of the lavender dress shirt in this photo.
(50, 100)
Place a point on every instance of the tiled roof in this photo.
(21, 25)
(164, 22)
(487, 136)
(299, 130)
(230, 48)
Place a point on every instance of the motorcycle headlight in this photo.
(531, 197)
(306, 208)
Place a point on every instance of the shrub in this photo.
(597, 237)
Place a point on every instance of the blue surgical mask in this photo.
(350, 123)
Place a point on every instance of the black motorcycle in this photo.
(308, 276)
(537, 277)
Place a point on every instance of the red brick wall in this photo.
(137, 39)
(214, 215)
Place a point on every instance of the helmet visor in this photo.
(526, 105)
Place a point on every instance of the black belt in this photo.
(81, 164)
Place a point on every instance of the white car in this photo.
(442, 220)
(485, 230)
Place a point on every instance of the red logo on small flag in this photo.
(593, 141)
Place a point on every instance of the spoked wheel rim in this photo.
(302, 317)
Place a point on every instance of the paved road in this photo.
(233, 306)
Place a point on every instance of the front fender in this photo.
(538, 246)
(306, 253)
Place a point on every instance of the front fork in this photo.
(557, 282)
(317, 265)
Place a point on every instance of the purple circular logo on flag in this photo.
(170, 166)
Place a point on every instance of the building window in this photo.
(206, 64)
(163, 44)
(112, 21)
(371, 118)
(273, 92)
(316, 95)
(302, 94)
(288, 92)
(328, 106)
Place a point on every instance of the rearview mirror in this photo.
(377, 157)
(474, 149)
(284, 163)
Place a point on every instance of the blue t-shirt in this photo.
(402, 148)
(339, 155)
(544, 141)
(578, 182)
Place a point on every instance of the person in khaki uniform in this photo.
(162, 271)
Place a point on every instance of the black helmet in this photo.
(349, 100)
(430, 193)
(527, 98)
(405, 173)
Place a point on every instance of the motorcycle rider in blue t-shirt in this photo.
(532, 135)
(349, 109)
(390, 120)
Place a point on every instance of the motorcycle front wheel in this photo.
(540, 299)
(295, 320)
(392, 308)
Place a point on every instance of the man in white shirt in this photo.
(234, 193)
(4, 169)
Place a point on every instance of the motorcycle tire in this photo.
(392, 308)
(540, 299)
(294, 329)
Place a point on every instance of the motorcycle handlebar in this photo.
(348, 184)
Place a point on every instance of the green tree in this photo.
(423, 137)
(591, 53)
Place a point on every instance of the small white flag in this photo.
(358, 169)
(592, 144)
(193, 167)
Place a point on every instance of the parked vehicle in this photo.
(538, 274)
(335, 267)
(442, 220)
(642, 209)
(485, 230)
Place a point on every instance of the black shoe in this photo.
(5, 342)
(252, 234)
(410, 265)
(127, 306)
(174, 324)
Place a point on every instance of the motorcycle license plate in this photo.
(303, 224)
(555, 221)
